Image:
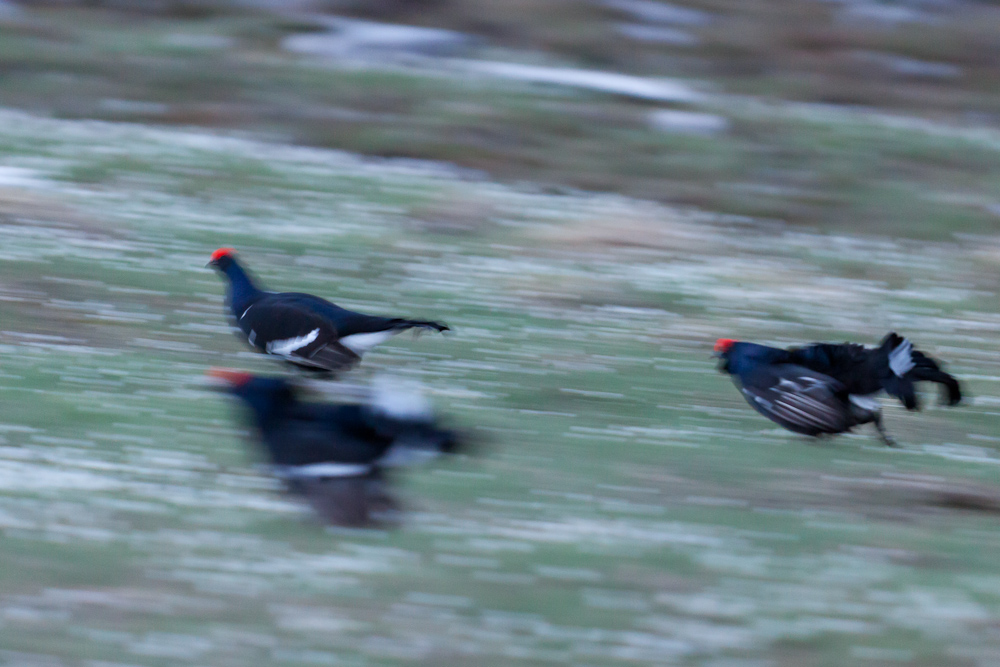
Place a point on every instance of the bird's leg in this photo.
(877, 420)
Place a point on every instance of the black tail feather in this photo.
(903, 389)
(925, 369)
(890, 342)
(951, 392)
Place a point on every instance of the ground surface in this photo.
(627, 506)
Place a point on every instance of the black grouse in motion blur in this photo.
(334, 454)
(827, 388)
(303, 329)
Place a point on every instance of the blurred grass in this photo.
(628, 508)
(793, 163)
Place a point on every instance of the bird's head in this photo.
(721, 351)
(222, 259)
(723, 346)
(242, 287)
(265, 396)
(737, 357)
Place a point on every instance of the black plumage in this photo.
(303, 329)
(335, 455)
(894, 366)
(828, 388)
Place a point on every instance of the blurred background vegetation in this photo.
(839, 114)
(589, 192)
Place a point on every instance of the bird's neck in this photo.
(268, 409)
(242, 292)
(751, 356)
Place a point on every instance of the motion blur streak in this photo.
(589, 193)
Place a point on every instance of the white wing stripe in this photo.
(901, 359)
(324, 470)
(289, 345)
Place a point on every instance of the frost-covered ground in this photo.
(627, 507)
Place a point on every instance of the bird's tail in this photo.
(400, 411)
(906, 365)
(417, 442)
(403, 325)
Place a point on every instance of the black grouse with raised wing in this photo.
(829, 388)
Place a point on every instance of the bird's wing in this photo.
(358, 331)
(275, 326)
(347, 322)
(322, 440)
(295, 334)
(799, 399)
(329, 357)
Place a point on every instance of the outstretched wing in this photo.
(295, 334)
(799, 399)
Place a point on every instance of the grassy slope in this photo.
(629, 508)
(227, 70)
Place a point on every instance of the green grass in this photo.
(626, 507)
(779, 161)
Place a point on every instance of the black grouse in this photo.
(303, 329)
(335, 454)
(829, 388)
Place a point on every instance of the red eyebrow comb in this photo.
(235, 378)
(222, 252)
(723, 344)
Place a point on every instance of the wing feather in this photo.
(331, 357)
(296, 334)
(800, 400)
(807, 411)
